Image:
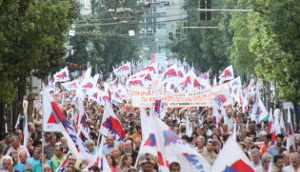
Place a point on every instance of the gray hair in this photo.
(248, 138)
(285, 153)
(265, 157)
(253, 151)
(295, 154)
(6, 157)
(121, 142)
(16, 138)
(138, 139)
(13, 153)
(89, 142)
(201, 137)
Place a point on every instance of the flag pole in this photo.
(43, 122)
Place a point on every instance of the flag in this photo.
(215, 118)
(232, 159)
(180, 72)
(282, 127)
(270, 122)
(222, 96)
(185, 84)
(169, 74)
(17, 126)
(76, 145)
(123, 70)
(72, 85)
(25, 133)
(151, 68)
(275, 130)
(62, 165)
(215, 81)
(157, 104)
(171, 148)
(227, 74)
(87, 74)
(290, 134)
(189, 127)
(62, 75)
(111, 124)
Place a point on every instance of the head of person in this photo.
(126, 161)
(121, 144)
(255, 156)
(7, 163)
(23, 157)
(117, 151)
(52, 139)
(148, 165)
(138, 129)
(64, 142)
(41, 156)
(174, 167)
(278, 161)
(58, 151)
(15, 142)
(35, 154)
(83, 165)
(286, 158)
(128, 146)
(137, 142)
(28, 170)
(94, 169)
(110, 140)
(295, 159)
(210, 145)
(69, 168)
(111, 160)
(200, 141)
(15, 157)
(71, 160)
(90, 145)
(47, 168)
(279, 140)
(248, 143)
(265, 160)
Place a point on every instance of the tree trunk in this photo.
(30, 109)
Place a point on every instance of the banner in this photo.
(143, 97)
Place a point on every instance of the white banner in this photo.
(146, 97)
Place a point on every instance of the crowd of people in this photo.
(207, 138)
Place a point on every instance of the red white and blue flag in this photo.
(185, 84)
(62, 75)
(170, 74)
(70, 86)
(232, 159)
(111, 124)
(123, 70)
(61, 167)
(227, 74)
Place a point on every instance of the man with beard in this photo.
(128, 150)
(295, 163)
(274, 150)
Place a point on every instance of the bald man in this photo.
(110, 144)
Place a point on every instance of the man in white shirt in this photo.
(295, 163)
(255, 156)
(266, 159)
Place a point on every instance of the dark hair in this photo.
(37, 142)
(276, 157)
(61, 148)
(176, 164)
(28, 170)
(93, 134)
(280, 136)
(71, 166)
(281, 150)
(94, 168)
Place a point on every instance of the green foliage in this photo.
(32, 34)
(207, 48)
(276, 45)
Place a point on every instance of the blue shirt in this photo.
(108, 149)
(32, 160)
(273, 150)
(37, 167)
(20, 167)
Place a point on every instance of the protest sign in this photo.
(143, 97)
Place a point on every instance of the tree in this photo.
(32, 34)
(276, 46)
(207, 48)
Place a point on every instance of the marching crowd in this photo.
(207, 138)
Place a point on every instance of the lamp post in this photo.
(89, 47)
